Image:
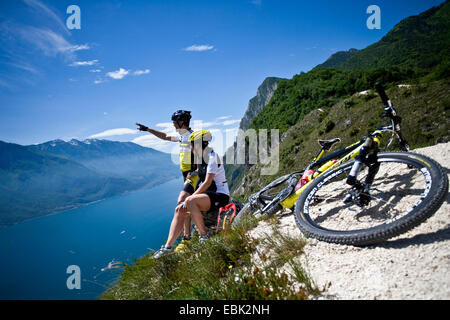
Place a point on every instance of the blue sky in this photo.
(139, 61)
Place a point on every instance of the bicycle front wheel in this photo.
(408, 188)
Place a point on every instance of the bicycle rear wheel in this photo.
(407, 189)
(243, 212)
(255, 209)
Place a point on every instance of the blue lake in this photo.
(35, 254)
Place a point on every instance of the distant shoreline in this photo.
(76, 206)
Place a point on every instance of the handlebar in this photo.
(383, 96)
(390, 112)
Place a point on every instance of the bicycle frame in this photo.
(289, 195)
(351, 152)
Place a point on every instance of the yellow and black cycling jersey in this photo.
(186, 155)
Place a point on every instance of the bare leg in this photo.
(187, 227)
(195, 205)
(182, 196)
(187, 222)
(175, 227)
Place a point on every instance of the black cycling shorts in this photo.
(191, 183)
(187, 187)
(218, 200)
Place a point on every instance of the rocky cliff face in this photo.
(257, 103)
(265, 92)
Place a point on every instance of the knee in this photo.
(178, 215)
(189, 202)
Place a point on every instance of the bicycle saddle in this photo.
(327, 144)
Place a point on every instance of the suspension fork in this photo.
(368, 156)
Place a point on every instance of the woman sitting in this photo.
(210, 195)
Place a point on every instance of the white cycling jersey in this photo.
(219, 179)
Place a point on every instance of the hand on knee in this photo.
(179, 213)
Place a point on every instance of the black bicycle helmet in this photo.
(182, 115)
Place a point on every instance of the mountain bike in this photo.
(358, 195)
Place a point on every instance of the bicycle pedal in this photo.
(348, 199)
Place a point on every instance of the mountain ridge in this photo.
(338, 58)
(419, 42)
(36, 182)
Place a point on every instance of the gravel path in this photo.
(415, 265)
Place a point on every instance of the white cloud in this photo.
(79, 47)
(141, 72)
(50, 13)
(45, 40)
(230, 122)
(222, 140)
(232, 130)
(223, 117)
(119, 74)
(199, 124)
(164, 124)
(23, 66)
(208, 124)
(167, 127)
(84, 63)
(202, 47)
(49, 42)
(114, 132)
(222, 137)
(150, 141)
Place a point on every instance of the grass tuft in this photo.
(222, 268)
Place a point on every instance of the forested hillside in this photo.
(324, 102)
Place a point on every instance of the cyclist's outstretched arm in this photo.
(159, 134)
